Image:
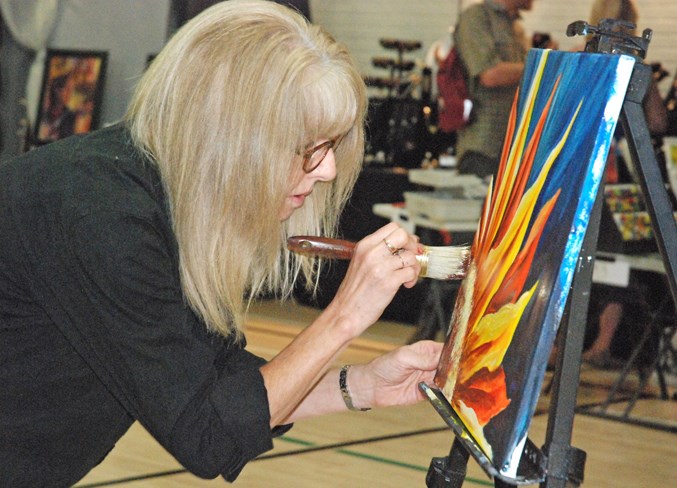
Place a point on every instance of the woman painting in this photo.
(128, 258)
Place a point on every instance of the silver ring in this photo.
(392, 249)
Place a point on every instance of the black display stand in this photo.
(558, 464)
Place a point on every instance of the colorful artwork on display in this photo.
(670, 151)
(527, 245)
(72, 90)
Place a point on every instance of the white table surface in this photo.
(399, 213)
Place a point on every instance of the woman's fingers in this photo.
(406, 262)
(391, 238)
(397, 247)
(389, 245)
(393, 379)
(382, 263)
(395, 238)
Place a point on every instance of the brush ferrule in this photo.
(423, 262)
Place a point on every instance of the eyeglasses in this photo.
(314, 156)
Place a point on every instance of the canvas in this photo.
(525, 250)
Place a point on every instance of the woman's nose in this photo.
(326, 170)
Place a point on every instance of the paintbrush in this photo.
(437, 262)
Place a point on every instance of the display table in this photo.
(397, 212)
(614, 268)
(641, 262)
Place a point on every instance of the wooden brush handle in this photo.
(323, 247)
(447, 266)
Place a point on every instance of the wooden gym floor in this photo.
(393, 447)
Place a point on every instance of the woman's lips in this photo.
(300, 198)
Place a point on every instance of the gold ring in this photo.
(392, 249)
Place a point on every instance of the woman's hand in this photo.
(296, 379)
(381, 263)
(392, 379)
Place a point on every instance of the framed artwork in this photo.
(670, 150)
(70, 99)
(525, 251)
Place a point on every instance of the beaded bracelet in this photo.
(343, 385)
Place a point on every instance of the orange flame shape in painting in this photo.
(493, 298)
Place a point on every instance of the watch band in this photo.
(343, 385)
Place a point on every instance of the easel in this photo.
(558, 464)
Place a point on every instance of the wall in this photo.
(132, 29)
(129, 30)
(360, 24)
(658, 15)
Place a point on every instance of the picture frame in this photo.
(71, 93)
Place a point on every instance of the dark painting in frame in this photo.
(70, 98)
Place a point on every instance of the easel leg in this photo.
(449, 472)
(566, 463)
(502, 484)
(649, 175)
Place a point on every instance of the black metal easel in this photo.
(558, 464)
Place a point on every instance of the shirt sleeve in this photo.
(474, 39)
(115, 276)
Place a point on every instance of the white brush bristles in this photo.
(444, 262)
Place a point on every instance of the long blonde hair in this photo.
(223, 111)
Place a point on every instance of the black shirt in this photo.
(95, 332)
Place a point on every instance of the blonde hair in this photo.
(624, 10)
(223, 111)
